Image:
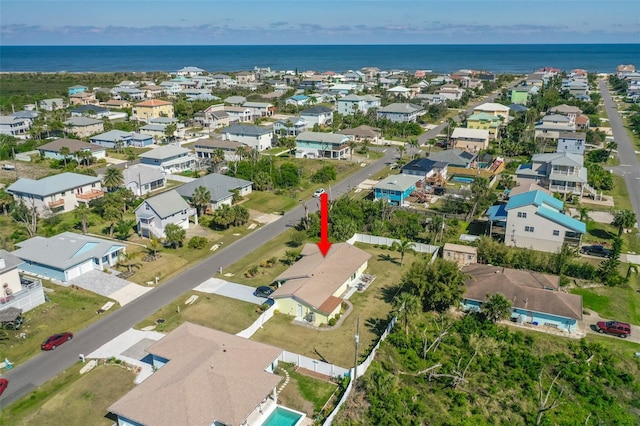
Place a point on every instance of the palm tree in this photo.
(415, 147)
(450, 126)
(611, 146)
(82, 214)
(352, 146)
(401, 150)
(65, 152)
(496, 308)
(507, 181)
(406, 305)
(480, 189)
(217, 157)
(403, 247)
(112, 179)
(584, 213)
(200, 199)
(112, 214)
(624, 219)
(154, 247)
(127, 259)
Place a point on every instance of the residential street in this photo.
(629, 167)
(26, 377)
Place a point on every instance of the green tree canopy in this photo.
(439, 284)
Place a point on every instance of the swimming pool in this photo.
(462, 179)
(283, 417)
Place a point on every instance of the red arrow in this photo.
(324, 243)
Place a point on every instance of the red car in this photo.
(56, 340)
(616, 328)
(3, 385)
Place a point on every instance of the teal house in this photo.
(395, 188)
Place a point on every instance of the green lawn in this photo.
(268, 202)
(68, 310)
(304, 393)
(371, 307)
(71, 398)
(210, 310)
(620, 303)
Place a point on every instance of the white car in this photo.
(318, 192)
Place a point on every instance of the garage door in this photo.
(73, 273)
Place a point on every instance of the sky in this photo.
(305, 22)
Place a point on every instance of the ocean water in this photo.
(439, 58)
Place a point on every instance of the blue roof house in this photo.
(113, 137)
(66, 256)
(395, 188)
(536, 220)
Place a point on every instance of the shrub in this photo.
(252, 271)
(197, 243)
(332, 322)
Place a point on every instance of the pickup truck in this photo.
(595, 250)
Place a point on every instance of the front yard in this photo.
(72, 399)
(68, 309)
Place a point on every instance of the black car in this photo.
(596, 250)
(263, 291)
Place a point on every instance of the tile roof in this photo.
(52, 184)
(64, 250)
(314, 278)
(211, 377)
(524, 289)
(152, 103)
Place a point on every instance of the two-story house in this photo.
(320, 115)
(363, 133)
(561, 172)
(58, 193)
(431, 171)
(256, 137)
(472, 140)
(292, 126)
(352, 104)
(16, 292)
(205, 148)
(152, 108)
(155, 213)
(83, 98)
(495, 109)
(395, 188)
(260, 109)
(84, 127)
(93, 111)
(536, 220)
(169, 158)
(142, 179)
(482, 120)
(238, 114)
(52, 104)
(220, 187)
(551, 126)
(322, 145)
(14, 126)
(214, 117)
(572, 142)
(400, 112)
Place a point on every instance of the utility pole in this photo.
(357, 341)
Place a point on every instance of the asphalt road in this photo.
(629, 167)
(26, 377)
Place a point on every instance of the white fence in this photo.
(313, 364)
(372, 239)
(257, 324)
(362, 368)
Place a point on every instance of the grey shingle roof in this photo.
(321, 137)
(247, 130)
(10, 261)
(74, 145)
(64, 250)
(220, 186)
(82, 121)
(401, 108)
(316, 110)
(52, 184)
(165, 204)
(141, 174)
(112, 136)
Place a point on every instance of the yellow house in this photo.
(152, 108)
(482, 120)
(313, 287)
(461, 254)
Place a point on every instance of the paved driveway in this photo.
(232, 290)
(110, 286)
(592, 318)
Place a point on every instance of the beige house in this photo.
(312, 288)
(203, 377)
(152, 108)
(9, 276)
(461, 254)
(83, 127)
(470, 140)
(83, 98)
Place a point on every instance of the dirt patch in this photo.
(27, 170)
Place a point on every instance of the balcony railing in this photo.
(56, 203)
(88, 196)
(565, 189)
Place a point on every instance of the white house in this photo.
(572, 142)
(351, 104)
(401, 112)
(142, 179)
(169, 158)
(155, 213)
(536, 220)
(257, 137)
(320, 115)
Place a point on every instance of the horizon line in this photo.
(307, 45)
